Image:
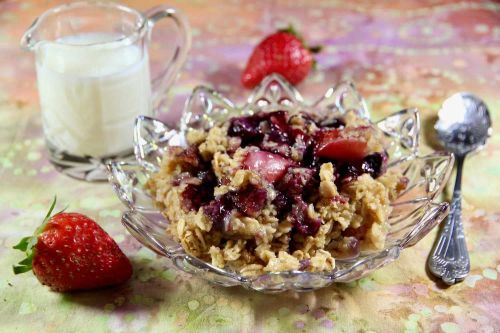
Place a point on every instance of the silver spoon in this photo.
(463, 126)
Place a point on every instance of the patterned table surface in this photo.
(405, 54)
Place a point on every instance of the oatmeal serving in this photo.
(278, 191)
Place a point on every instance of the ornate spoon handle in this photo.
(450, 259)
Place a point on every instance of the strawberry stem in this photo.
(291, 30)
(27, 244)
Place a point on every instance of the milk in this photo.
(90, 95)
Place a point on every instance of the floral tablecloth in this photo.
(400, 54)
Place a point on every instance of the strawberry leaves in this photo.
(27, 244)
(292, 31)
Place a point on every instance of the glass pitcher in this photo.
(93, 79)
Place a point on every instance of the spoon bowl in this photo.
(464, 124)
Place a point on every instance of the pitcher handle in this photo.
(168, 74)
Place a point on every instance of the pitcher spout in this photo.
(48, 26)
(28, 41)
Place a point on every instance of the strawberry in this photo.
(70, 251)
(284, 53)
(343, 149)
(270, 166)
(346, 145)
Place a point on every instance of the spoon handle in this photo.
(450, 259)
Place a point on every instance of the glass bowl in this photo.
(414, 213)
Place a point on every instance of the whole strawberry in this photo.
(70, 251)
(284, 53)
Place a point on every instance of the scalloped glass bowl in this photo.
(414, 213)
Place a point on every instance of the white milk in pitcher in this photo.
(90, 93)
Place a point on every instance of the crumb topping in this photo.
(276, 191)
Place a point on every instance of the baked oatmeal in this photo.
(278, 191)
